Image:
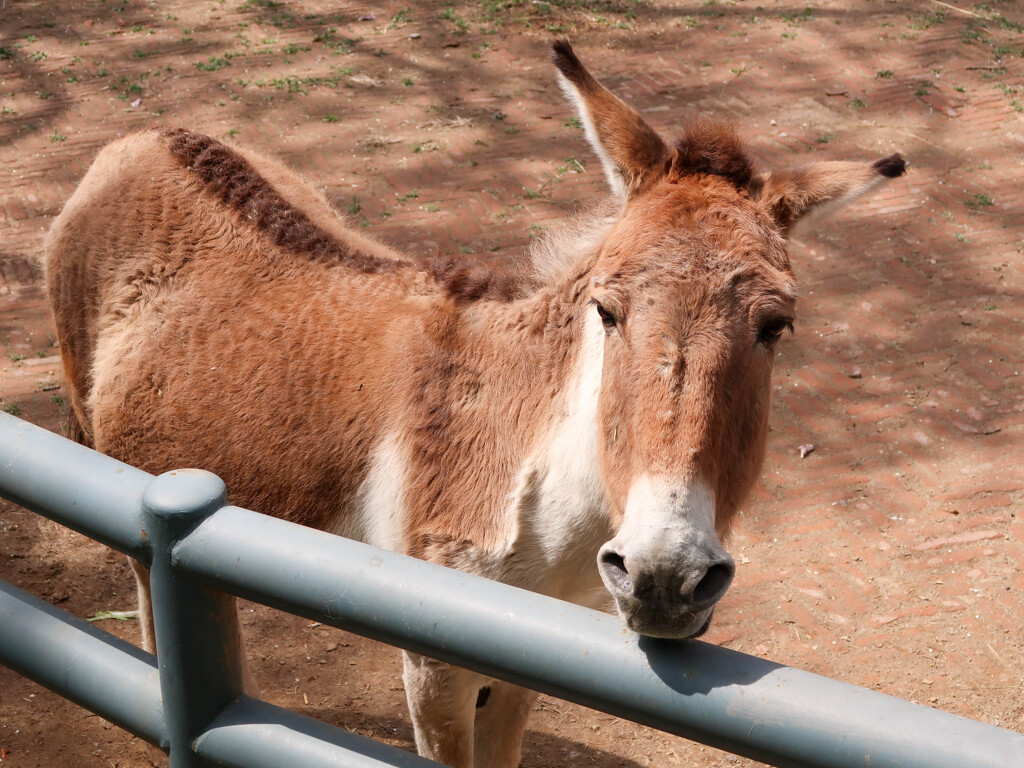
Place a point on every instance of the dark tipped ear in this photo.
(820, 187)
(631, 153)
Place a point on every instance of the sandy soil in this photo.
(890, 557)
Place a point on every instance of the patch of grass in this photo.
(407, 196)
(923, 87)
(56, 138)
(572, 122)
(857, 103)
(340, 45)
(407, 82)
(825, 138)
(430, 207)
(289, 83)
(16, 357)
(38, 56)
(354, 207)
(330, 118)
(979, 201)
(960, 237)
(293, 48)
(427, 146)
(12, 408)
(6, 53)
(971, 34)
(1004, 23)
(401, 18)
(215, 63)
(929, 20)
(461, 25)
(884, 74)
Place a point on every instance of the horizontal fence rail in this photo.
(747, 705)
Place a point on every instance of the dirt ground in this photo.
(890, 557)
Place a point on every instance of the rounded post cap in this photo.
(184, 494)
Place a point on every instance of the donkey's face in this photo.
(692, 290)
(693, 308)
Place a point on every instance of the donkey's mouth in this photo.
(670, 626)
(706, 626)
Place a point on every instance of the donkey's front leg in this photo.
(442, 702)
(500, 723)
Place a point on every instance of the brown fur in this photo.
(214, 311)
(712, 147)
(234, 182)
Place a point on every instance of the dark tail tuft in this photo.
(564, 58)
(892, 166)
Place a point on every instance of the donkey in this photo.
(592, 415)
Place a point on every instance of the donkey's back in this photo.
(207, 301)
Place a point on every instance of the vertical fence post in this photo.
(196, 627)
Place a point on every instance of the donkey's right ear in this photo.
(630, 151)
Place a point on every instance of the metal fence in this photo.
(202, 553)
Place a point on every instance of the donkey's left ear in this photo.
(630, 151)
(819, 187)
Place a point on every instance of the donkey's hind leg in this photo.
(149, 630)
(501, 716)
(145, 605)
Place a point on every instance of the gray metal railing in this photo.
(202, 553)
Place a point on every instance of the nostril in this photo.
(714, 584)
(614, 568)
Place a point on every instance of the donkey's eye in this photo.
(607, 319)
(772, 331)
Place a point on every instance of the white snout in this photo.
(666, 567)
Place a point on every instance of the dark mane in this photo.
(232, 180)
(474, 280)
(712, 147)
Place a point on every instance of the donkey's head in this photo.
(692, 290)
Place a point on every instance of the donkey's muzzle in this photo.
(665, 601)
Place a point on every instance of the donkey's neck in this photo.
(556, 508)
